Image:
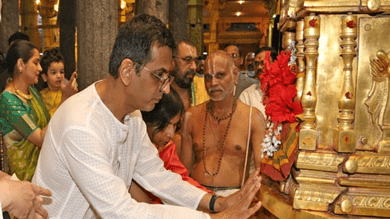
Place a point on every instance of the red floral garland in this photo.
(278, 86)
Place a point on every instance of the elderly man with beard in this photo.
(185, 57)
(252, 95)
(220, 135)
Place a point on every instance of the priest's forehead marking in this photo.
(219, 59)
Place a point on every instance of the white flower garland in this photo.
(272, 140)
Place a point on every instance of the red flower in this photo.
(277, 84)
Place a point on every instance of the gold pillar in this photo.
(344, 134)
(47, 12)
(213, 8)
(270, 28)
(195, 24)
(301, 56)
(308, 133)
(29, 21)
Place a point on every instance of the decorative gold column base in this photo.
(345, 140)
(307, 139)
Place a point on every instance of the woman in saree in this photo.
(23, 115)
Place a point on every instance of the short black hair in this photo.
(233, 44)
(20, 49)
(180, 41)
(274, 53)
(50, 56)
(169, 106)
(18, 36)
(136, 39)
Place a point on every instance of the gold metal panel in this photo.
(368, 163)
(373, 36)
(319, 161)
(329, 79)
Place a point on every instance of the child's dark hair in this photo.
(169, 106)
(50, 56)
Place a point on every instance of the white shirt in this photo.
(89, 158)
(253, 96)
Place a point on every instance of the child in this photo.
(162, 123)
(53, 73)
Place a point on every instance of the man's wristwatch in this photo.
(212, 203)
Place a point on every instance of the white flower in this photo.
(271, 143)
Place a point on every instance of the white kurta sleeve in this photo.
(87, 158)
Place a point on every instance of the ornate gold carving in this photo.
(289, 186)
(378, 98)
(379, 164)
(319, 161)
(301, 55)
(344, 134)
(364, 203)
(290, 9)
(315, 196)
(308, 133)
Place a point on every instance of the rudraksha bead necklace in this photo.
(221, 148)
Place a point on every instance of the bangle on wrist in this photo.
(212, 203)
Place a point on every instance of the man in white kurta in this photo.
(89, 159)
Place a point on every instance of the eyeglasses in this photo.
(164, 81)
(257, 63)
(234, 55)
(189, 59)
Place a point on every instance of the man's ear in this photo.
(241, 60)
(126, 70)
(235, 74)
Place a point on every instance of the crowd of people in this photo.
(93, 156)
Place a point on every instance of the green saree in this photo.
(18, 120)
